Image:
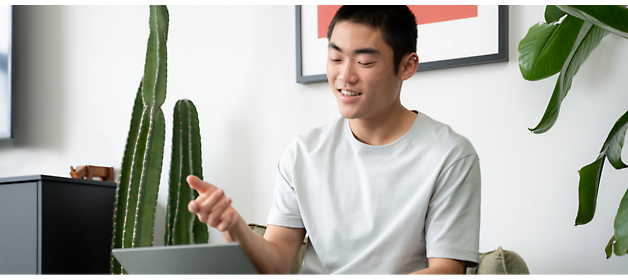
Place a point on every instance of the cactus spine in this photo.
(138, 184)
(183, 227)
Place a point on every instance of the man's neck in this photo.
(383, 130)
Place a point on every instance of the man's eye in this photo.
(335, 60)
(365, 63)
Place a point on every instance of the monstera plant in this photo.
(560, 46)
(138, 185)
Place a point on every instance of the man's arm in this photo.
(452, 225)
(443, 266)
(274, 253)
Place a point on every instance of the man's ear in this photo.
(408, 65)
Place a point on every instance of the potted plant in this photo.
(138, 184)
(560, 46)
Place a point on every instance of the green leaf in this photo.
(545, 48)
(609, 247)
(612, 18)
(551, 112)
(588, 189)
(149, 182)
(615, 142)
(589, 37)
(553, 13)
(590, 181)
(621, 227)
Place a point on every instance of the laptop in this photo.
(185, 259)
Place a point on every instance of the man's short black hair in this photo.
(397, 24)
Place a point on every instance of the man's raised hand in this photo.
(211, 206)
(274, 255)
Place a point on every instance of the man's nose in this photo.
(347, 73)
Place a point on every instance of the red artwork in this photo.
(424, 14)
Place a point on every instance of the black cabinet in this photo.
(54, 225)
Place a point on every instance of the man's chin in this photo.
(349, 115)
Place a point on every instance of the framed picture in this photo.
(448, 36)
(6, 27)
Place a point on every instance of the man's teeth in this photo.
(350, 93)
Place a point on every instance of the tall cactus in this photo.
(183, 227)
(138, 185)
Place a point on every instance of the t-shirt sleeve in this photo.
(452, 225)
(285, 209)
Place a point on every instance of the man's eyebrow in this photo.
(366, 51)
(358, 51)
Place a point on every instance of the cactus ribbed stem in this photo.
(141, 167)
(138, 184)
(182, 227)
(123, 181)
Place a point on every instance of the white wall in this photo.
(77, 69)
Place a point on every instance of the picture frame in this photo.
(6, 88)
(471, 40)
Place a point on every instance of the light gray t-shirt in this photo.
(380, 209)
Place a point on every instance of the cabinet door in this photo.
(18, 228)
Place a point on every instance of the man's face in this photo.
(360, 72)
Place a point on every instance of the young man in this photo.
(381, 189)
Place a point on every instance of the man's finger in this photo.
(208, 204)
(199, 185)
(220, 207)
(192, 207)
(195, 205)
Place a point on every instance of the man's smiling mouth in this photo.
(350, 93)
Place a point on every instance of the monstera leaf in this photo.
(553, 13)
(562, 45)
(588, 38)
(543, 51)
(611, 18)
